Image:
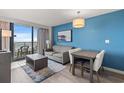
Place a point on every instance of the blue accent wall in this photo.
(98, 29)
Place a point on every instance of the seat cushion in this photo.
(50, 53)
(57, 55)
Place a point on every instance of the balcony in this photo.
(21, 49)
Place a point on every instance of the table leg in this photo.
(91, 70)
(73, 66)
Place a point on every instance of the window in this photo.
(25, 41)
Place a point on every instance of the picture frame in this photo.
(65, 36)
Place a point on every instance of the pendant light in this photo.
(78, 22)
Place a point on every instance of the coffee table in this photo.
(36, 61)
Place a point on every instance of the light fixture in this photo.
(48, 44)
(6, 33)
(78, 22)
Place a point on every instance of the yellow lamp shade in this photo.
(78, 23)
(6, 33)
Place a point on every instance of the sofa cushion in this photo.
(50, 53)
(57, 55)
(60, 48)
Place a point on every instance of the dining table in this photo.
(84, 54)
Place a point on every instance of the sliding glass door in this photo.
(22, 41)
(25, 41)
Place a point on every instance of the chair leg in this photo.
(70, 68)
(97, 74)
(102, 69)
(82, 70)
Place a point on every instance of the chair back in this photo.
(98, 61)
(72, 51)
(24, 49)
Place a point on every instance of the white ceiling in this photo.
(50, 17)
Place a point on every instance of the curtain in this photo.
(42, 36)
(4, 41)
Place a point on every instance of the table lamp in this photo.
(6, 34)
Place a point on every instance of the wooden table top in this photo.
(86, 54)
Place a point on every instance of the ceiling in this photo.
(50, 17)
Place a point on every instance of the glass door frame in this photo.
(12, 41)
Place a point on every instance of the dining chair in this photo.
(70, 56)
(97, 63)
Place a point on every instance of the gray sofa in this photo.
(59, 53)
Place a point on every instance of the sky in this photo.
(23, 33)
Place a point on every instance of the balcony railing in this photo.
(21, 49)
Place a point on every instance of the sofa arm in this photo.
(65, 57)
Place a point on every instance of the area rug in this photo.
(45, 73)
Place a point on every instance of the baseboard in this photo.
(114, 70)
